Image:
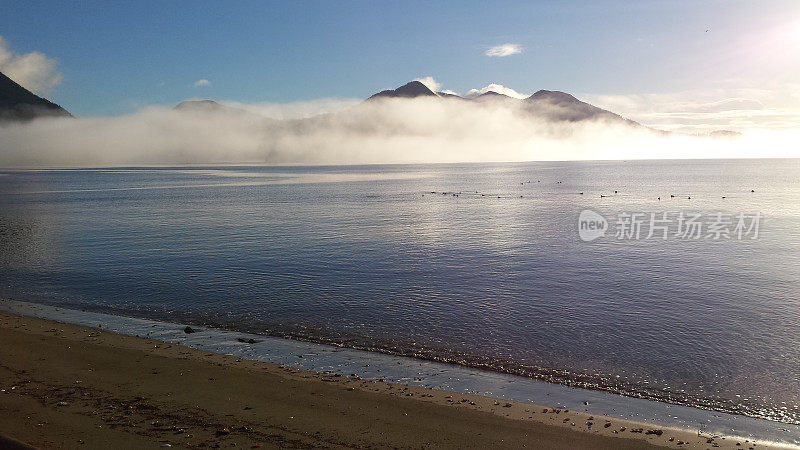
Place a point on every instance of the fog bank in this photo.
(389, 131)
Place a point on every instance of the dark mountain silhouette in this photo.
(18, 103)
(409, 90)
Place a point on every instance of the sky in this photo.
(654, 60)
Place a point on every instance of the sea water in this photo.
(481, 265)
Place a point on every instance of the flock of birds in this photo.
(457, 194)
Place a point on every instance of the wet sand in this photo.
(67, 386)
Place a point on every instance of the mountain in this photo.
(449, 95)
(549, 105)
(198, 106)
(409, 90)
(20, 104)
(492, 96)
(210, 106)
(561, 106)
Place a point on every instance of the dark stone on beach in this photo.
(656, 432)
(189, 330)
(247, 341)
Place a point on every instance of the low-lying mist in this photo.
(389, 131)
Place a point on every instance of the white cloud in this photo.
(498, 88)
(448, 91)
(504, 50)
(202, 83)
(430, 82)
(34, 71)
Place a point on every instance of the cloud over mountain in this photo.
(430, 82)
(498, 88)
(34, 71)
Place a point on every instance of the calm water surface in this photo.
(368, 257)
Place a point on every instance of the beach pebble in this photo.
(188, 330)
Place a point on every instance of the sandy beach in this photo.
(67, 386)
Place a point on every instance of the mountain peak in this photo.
(491, 96)
(18, 103)
(553, 96)
(197, 105)
(412, 89)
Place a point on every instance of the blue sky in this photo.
(119, 57)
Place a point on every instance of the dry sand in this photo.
(67, 386)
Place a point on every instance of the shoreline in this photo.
(452, 412)
(684, 414)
